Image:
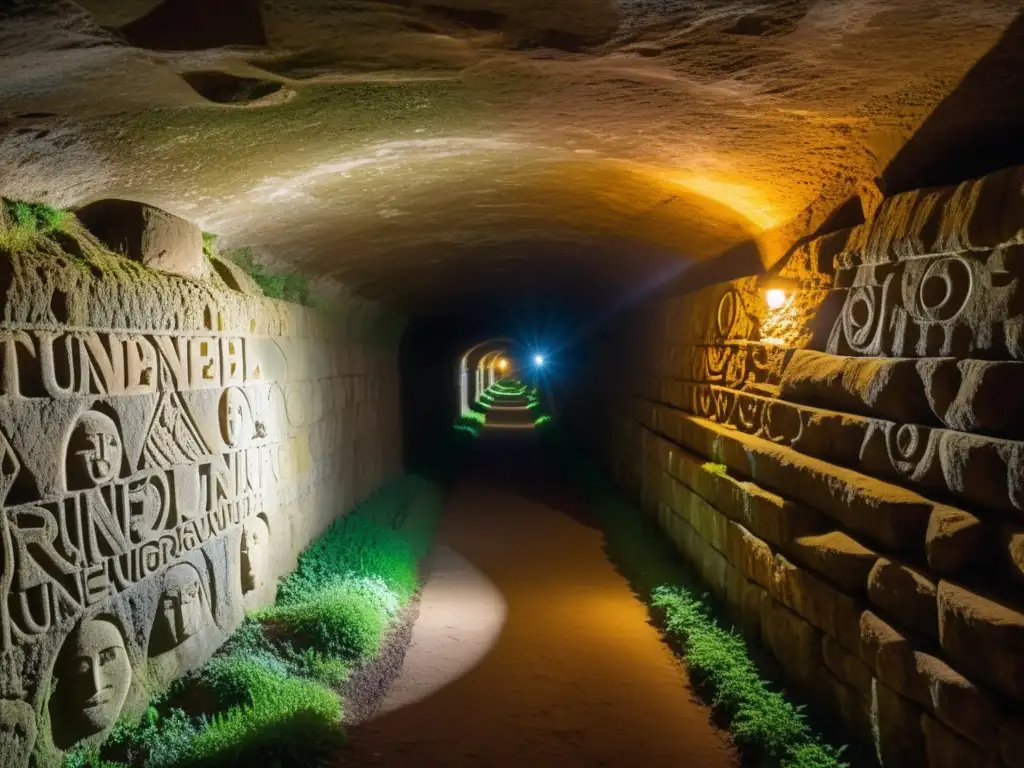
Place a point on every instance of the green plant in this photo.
(762, 721)
(716, 469)
(268, 694)
(286, 286)
(345, 622)
(26, 222)
(291, 720)
(209, 244)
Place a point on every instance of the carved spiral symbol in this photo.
(906, 447)
(860, 317)
(944, 289)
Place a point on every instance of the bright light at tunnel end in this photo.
(538, 360)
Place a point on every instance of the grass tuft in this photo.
(715, 469)
(269, 695)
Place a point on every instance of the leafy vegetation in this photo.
(22, 222)
(763, 722)
(286, 286)
(277, 284)
(269, 693)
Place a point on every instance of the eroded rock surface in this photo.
(168, 446)
(844, 469)
(399, 147)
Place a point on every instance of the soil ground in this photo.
(569, 670)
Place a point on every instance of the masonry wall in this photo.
(846, 472)
(167, 448)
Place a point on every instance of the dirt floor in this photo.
(574, 676)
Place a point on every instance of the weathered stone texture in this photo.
(983, 636)
(862, 449)
(155, 238)
(167, 448)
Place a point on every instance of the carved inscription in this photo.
(154, 482)
(954, 306)
(44, 363)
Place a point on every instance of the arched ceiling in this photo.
(422, 151)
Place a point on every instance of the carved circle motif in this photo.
(906, 445)
(727, 314)
(945, 287)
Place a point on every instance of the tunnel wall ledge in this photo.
(845, 472)
(167, 448)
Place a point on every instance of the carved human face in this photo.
(255, 553)
(99, 675)
(181, 606)
(94, 451)
(234, 416)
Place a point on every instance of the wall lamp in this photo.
(778, 290)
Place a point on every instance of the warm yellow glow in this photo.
(747, 201)
(775, 297)
(503, 364)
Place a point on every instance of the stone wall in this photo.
(167, 447)
(846, 471)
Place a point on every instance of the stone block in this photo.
(765, 514)
(896, 728)
(794, 642)
(886, 387)
(836, 555)
(905, 593)
(155, 238)
(234, 277)
(846, 666)
(852, 706)
(820, 604)
(947, 750)
(744, 599)
(891, 656)
(983, 637)
(749, 554)
(958, 702)
(955, 540)
(892, 515)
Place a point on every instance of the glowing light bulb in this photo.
(538, 360)
(775, 297)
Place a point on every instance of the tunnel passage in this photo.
(256, 259)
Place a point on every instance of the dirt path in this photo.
(575, 676)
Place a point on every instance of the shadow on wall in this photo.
(975, 130)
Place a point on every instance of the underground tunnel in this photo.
(491, 383)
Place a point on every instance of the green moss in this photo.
(209, 244)
(763, 722)
(716, 469)
(22, 223)
(286, 286)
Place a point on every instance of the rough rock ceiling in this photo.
(422, 150)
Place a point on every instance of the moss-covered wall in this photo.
(167, 447)
(846, 471)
